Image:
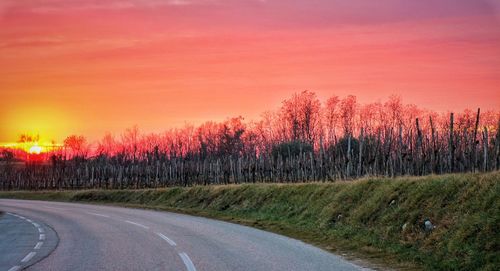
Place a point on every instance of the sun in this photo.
(35, 149)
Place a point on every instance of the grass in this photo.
(363, 218)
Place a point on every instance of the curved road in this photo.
(93, 237)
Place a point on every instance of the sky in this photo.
(90, 66)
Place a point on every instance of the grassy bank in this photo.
(381, 220)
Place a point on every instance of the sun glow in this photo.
(31, 151)
(50, 122)
(35, 149)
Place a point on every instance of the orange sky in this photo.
(89, 66)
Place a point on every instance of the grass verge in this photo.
(375, 219)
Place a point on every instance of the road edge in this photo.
(47, 228)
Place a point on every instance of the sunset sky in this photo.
(92, 66)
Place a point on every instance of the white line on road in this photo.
(38, 245)
(172, 243)
(187, 262)
(97, 214)
(28, 257)
(137, 224)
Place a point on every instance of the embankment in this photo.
(376, 219)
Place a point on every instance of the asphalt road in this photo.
(92, 237)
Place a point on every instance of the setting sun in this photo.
(35, 149)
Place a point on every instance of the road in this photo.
(92, 237)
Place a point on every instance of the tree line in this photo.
(304, 140)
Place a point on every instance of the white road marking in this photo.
(97, 214)
(187, 262)
(28, 257)
(137, 224)
(172, 243)
(38, 245)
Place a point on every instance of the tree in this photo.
(348, 108)
(394, 109)
(301, 116)
(76, 145)
(108, 145)
(331, 117)
(231, 137)
(130, 140)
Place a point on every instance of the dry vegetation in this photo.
(303, 140)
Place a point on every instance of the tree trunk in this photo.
(360, 155)
(485, 149)
(451, 147)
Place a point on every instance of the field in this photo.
(378, 220)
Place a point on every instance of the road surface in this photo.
(92, 237)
